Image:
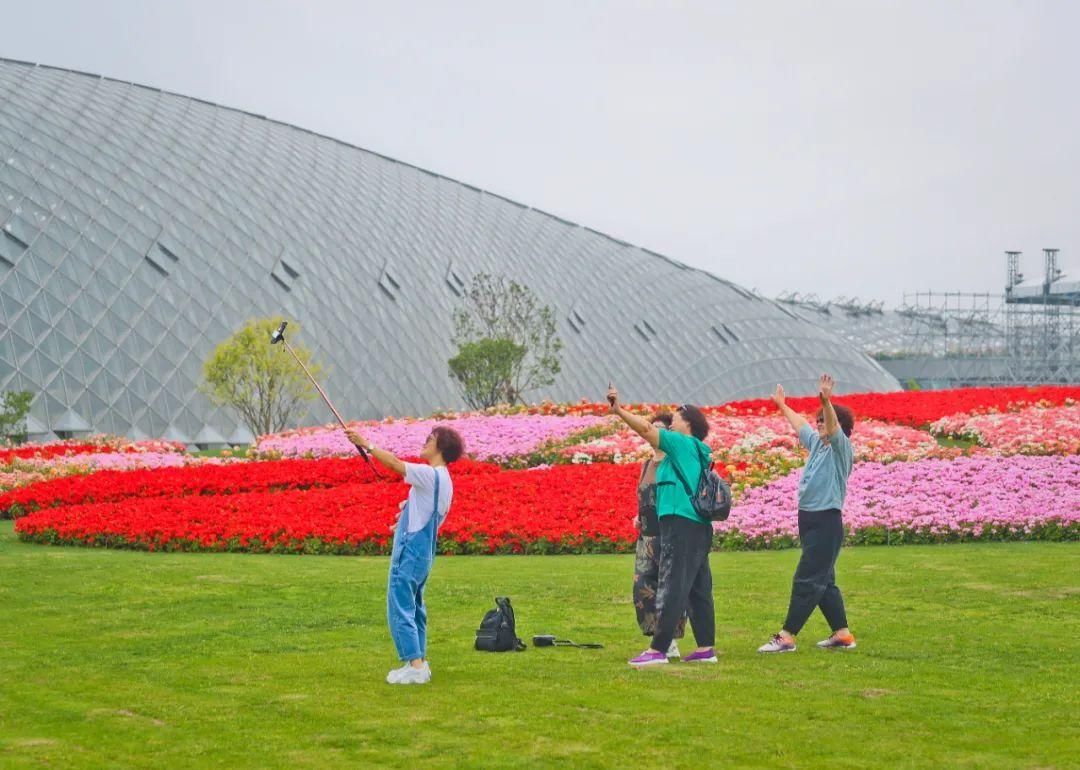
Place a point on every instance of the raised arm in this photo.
(825, 386)
(389, 459)
(795, 420)
(639, 425)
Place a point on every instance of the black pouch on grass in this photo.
(497, 632)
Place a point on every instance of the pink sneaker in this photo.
(648, 658)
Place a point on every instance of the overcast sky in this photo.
(842, 148)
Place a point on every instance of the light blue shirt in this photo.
(823, 485)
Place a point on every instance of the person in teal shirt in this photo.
(685, 581)
(822, 489)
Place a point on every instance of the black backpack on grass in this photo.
(497, 632)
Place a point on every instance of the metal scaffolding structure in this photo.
(1042, 324)
(1030, 334)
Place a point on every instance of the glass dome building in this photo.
(140, 228)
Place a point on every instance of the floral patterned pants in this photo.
(646, 581)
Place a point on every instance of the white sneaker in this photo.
(777, 644)
(407, 674)
(673, 650)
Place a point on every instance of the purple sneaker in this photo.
(648, 658)
(702, 656)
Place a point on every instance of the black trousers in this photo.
(814, 585)
(685, 581)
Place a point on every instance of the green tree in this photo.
(499, 310)
(483, 368)
(14, 407)
(259, 380)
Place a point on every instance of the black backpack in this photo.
(497, 632)
(712, 500)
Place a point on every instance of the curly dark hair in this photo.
(699, 426)
(449, 443)
(664, 418)
(844, 416)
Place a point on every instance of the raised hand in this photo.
(825, 387)
(613, 399)
(778, 396)
(357, 439)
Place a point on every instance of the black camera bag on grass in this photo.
(497, 632)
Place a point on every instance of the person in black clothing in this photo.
(685, 583)
(647, 551)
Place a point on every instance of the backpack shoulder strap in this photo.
(675, 466)
(435, 512)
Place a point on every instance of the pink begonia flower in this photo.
(126, 461)
(488, 438)
(1034, 430)
(749, 435)
(964, 494)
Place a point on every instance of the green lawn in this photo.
(967, 658)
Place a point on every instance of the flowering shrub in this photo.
(987, 498)
(1034, 430)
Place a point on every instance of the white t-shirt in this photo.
(421, 481)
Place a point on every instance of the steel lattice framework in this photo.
(139, 228)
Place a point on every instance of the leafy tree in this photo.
(14, 407)
(498, 310)
(483, 368)
(259, 380)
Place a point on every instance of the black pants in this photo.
(814, 585)
(685, 581)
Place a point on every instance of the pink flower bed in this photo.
(488, 438)
(931, 500)
(752, 435)
(14, 479)
(123, 461)
(1029, 431)
(29, 463)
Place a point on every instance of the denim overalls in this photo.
(410, 565)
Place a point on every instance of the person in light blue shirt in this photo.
(822, 489)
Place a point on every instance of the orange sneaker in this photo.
(845, 642)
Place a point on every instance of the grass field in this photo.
(968, 657)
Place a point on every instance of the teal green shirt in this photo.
(689, 454)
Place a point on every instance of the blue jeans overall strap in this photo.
(410, 565)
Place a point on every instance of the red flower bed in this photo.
(910, 407)
(263, 476)
(919, 408)
(565, 508)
